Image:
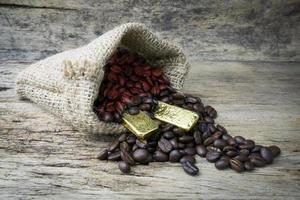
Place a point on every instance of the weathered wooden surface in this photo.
(43, 158)
(206, 29)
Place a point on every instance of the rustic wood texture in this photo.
(43, 158)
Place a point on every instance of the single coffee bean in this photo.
(135, 100)
(213, 148)
(133, 110)
(178, 131)
(167, 127)
(222, 164)
(123, 137)
(202, 126)
(134, 147)
(209, 120)
(181, 145)
(127, 157)
(108, 117)
(221, 128)
(174, 156)
(197, 137)
(256, 148)
(213, 156)
(165, 145)
(201, 150)
(217, 135)
(249, 166)
(208, 141)
(185, 139)
(239, 139)
(220, 143)
(174, 143)
(140, 155)
(212, 128)
(206, 135)
(178, 102)
(266, 154)
(232, 142)
(103, 155)
(191, 144)
(190, 168)
(168, 135)
(151, 149)
(211, 111)
(229, 148)
(275, 150)
(160, 156)
(124, 146)
(191, 99)
(131, 139)
(178, 96)
(232, 153)
(226, 137)
(198, 107)
(236, 165)
(145, 107)
(248, 144)
(114, 145)
(258, 161)
(141, 144)
(190, 151)
(188, 158)
(241, 158)
(244, 152)
(116, 156)
(124, 167)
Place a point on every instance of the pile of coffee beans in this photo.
(169, 143)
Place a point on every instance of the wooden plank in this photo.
(43, 158)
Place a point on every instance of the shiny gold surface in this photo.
(177, 116)
(141, 124)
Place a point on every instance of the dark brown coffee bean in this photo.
(232, 153)
(145, 107)
(241, 158)
(160, 156)
(190, 168)
(202, 126)
(217, 135)
(198, 107)
(221, 128)
(209, 120)
(127, 157)
(124, 167)
(226, 137)
(140, 155)
(219, 143)
(258, 161)
(211, 111)
(165, 145)
(244, 152)
(181, 145)
(266, 154)
(148, 100)
(131, 139)
(124, 146)
(178, 131)
(114, 145)
(222, 164)
(229, 148)
(151, 149)
(213, 148)
(191, 144)
(201, 150)
(239, 139)
(232, 142)
(256, 148)
(191, 99)
(141, 143)
(108, 117)
(174, 156)
(275, 150)
(133, 110)
(116, 156)
(135, 100)
(248, 144)
(178, 102)
(134, 147)
(236, 165)
(208, 141)
(174, 143)
(188, 158)
(103, 155)
(152, 143)
(249, 166)
(168, 134)
(190, 151)
(212, 128)
(197, 137)
(206, 135)
(123, 137)
(212, 156)
(166, 127)
(185, 139)
(178, 96)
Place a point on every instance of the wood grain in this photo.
(43, 158)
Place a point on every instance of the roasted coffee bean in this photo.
(114, 145)
(145, 107)
(135, 100)
(232, 153)
(165, 145)
(209, 120)
(221, 128)
(206, 135)
(134, 147)
(213, 148)
(208, 141)
(178, 96)
(127, 157)
(191, 99)
(191, 144)
(275, 150)
(108, 117)
(212, 128)
(160, 156)
(182, 152)
(178, 131)
(198, 107)
(152, 143)
(202, 126)
(178, 102)
(148, 100)
(201, 150)
(151, 149)
(217, 135)
(141, 143)
(249, 166)
(248, 144)
(219, 143)
(124, 146)
(116, 156)
(190, 168)
(124, 167)
(103, 155)
(241, 158)
(140, 155)
(174, 143)
(266, 154)
(133, 110)
(258, 161)
(174, 156)
(168, 134)
(229, 148)
(185, 139)
(190, 151)
(239, 139)
(211, 111)
(188, 158)
(181, 145)
(212, 156)
(167, 127)
(131, 139)
(244, 152)
(222, 164)
(123, 137)
(236, 165)
(256, 148)
(226, 137)
(197, 137)
(232, 142)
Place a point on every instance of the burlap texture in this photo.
(67, 83)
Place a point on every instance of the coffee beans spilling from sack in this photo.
(131, 85)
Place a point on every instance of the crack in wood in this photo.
(13, 6)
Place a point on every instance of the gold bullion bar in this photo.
(140, 124)
(177, 116)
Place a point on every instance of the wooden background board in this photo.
(43, 158)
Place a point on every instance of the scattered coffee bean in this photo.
(201, 150)
(266, 154)
(190, 168)
(213, 156)
(222, 164)
(140, 155)
(188, 158)
(103, 155)
(174, 156)
(124, 167)
(275, 150)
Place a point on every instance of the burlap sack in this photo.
(67, 83)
